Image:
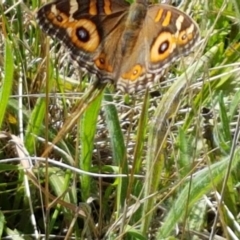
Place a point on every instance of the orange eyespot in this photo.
(162, 47)
(59, 19)
(183, 38)
(102, 63)
(134, 73)
(186, 35)
(84, 34)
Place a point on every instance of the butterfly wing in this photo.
(166, 34)
(82, 26)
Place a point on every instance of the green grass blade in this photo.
(88, 125)
(2, 223)
(118, 147)
(37, 116)
(136, 185)
(6, 88)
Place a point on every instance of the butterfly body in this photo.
(129, 45)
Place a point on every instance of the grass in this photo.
(80, 162)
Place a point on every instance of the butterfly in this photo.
(129, 45)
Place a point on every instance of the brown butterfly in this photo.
(128, 44)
